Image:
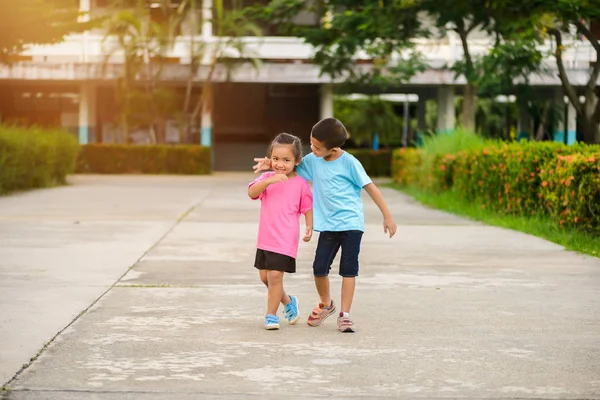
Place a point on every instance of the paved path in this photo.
(446, 309)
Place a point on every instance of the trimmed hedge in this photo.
(143, 159)
(35, 157)
(519, 178)
(506, 177)
(375, 162)
(570, 188)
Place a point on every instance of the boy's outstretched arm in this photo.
(388, 222)
(262, 164)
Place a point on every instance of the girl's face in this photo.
(283, 159)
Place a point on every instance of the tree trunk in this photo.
(468, 107)
(159, 129)
(591, 130)
(541, 130)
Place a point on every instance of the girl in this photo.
(284, 196)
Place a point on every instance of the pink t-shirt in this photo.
(282, 204)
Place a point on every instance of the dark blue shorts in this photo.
(327, 248)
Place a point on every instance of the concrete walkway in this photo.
(446, 309)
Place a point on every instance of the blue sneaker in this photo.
(290, 311)
(271, 322)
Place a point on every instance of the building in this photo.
(68, 84)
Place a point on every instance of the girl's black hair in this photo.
(286, 138)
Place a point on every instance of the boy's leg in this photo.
(348, 285)
(275, 280)
(350, 242)
(323, 288)
(327, 248)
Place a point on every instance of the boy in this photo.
(338, 179)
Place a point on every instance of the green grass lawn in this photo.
(570, 238)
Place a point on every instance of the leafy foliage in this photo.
(27, 22)
(376, 162)
(153, 159)
(571, 189)
(34, 157)
(557, 20)
(379, 32)
(530, 179)
(364, 118)
(143, 97)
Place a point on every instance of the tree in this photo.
(566, 22)
(462, 17)
(369, 117)
(145, 45)
(590, 109)
(137, 40)
(384, 31)
(227, 49)
(27, 22)
(379, 31)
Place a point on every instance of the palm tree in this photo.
(137, 38)
(146, 44)
(225, 49)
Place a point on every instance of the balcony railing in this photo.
(95, 49)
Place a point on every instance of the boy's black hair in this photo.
(286, 138)
(331, 132)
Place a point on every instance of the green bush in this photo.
(530, 178)
(146, 159)
(376, 162)
(506, 177)
(35, 157)
(570, 189)
(437, 157)
(406, 164)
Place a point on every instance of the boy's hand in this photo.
(389, 226)
(308, 234)
(262, 164)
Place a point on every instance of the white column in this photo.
(326, 101)
(85, 8)
(207, 28)
(87, 113)
(564, 126)
(206, 126)
(571, 124)
(446, 118)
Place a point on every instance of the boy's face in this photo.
(319, 149)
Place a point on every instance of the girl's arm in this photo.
(308, 216)
(255, 190)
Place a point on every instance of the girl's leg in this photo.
(263, 276)
(276, 293)
(285, 299)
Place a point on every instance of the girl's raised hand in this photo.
(278, 178)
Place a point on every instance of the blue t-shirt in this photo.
(337, 186)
